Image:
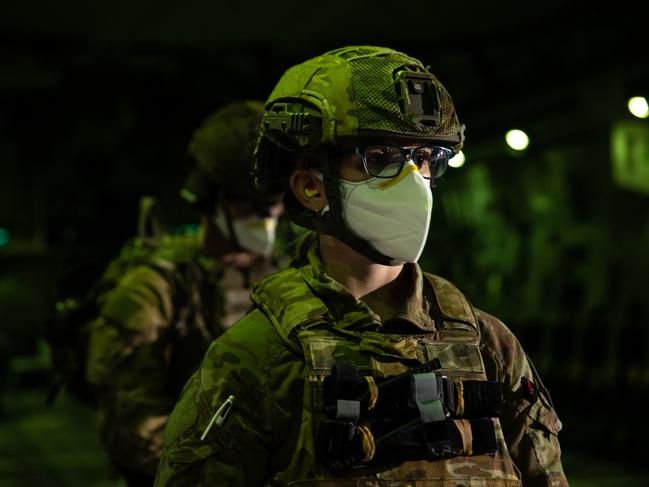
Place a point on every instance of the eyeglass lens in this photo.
(386, 161)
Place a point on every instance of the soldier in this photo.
(355, 368)
(154, 326)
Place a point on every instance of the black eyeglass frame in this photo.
(405, 153)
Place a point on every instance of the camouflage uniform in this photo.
(153, 328)
(270, 362)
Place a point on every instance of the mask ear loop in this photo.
(330, 221)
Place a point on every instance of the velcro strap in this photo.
(347, 410)
(427, 397)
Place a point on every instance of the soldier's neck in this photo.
(357, 273)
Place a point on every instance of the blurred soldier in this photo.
(356, 368)
(154, 326)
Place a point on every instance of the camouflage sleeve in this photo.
(126, 362)
(249, 363)
(529, 421)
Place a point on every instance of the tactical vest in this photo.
(375, 405)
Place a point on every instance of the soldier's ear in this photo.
(308, 189)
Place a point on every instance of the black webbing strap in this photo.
(482, 437)
(344, 446)
(480, 398)
(341, 392)
(347, 410)
(439, 440)
(418, 415)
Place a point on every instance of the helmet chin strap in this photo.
(332, 223)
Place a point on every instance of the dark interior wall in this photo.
(90, 95)
(98, 101)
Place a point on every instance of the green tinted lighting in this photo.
(517, 139)
(188, 195)
(186, 229)
(638, 106)
(4, 237)
(457, 160)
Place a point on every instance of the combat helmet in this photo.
(348, 93)
(222, 147)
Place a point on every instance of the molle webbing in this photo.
(416, 415)
(404, 395)
(344, 444)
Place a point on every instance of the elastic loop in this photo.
(459, 385)
(374, 392)
(464, 427)
(367, 440)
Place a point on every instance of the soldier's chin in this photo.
(238, 258)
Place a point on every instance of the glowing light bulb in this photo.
(517, 139)
(638, 106)
(457, 160)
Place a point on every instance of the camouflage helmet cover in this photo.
(360, 91)
(223, 146)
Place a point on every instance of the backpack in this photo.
(78, 303)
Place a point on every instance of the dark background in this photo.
(98, 101)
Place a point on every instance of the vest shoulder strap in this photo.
(289, 303)
(452, 304)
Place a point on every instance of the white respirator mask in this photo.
(392, 215)
(253, 233)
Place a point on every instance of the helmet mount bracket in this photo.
(288, 123)
(419, 98)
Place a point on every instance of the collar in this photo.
(351, 313)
